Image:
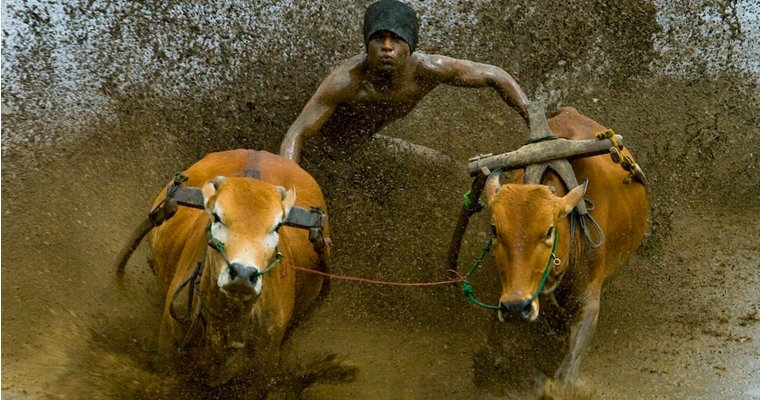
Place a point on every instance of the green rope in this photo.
(548, 267)
(468, 291)
(468, 203)
(219, 246)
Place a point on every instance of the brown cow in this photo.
(232, 323)
(527, 219)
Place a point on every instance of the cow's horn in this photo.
(493, 184)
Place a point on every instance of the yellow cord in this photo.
(608, 134)
(625, 161)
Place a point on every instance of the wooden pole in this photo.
(473, 197)
(541, 152)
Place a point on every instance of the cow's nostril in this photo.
(242, 274)
(521, 309)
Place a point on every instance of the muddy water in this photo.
(89, 147)
(680, 321)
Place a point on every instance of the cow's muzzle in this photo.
(239, 277)
(522, 310)
(242, 275)
(239, 281)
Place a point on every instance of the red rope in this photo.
(459, 278)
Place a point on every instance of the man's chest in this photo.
(396, 102)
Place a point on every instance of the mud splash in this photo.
(680, 321)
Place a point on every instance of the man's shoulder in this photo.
(433, 65)
(349, 71)
(433, 61)
(343, 81)
(352, 65)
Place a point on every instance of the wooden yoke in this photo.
(543, 150)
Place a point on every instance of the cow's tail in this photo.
(160, 213)
(134, 241)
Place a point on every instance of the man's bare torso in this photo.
(378, 101)
(370, 90)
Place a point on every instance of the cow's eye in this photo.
(493, 230)
(216, 218)
(277, 228)
(549, 233)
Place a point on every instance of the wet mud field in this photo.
(680, 321)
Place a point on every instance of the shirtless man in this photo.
(384, 84)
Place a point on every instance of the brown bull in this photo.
(231, 324)
(529, 220)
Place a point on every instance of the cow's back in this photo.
(182, 237)
(621, 209)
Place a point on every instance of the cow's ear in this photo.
(493, 185)
(282, 191)
(288, 198)
(570, 200)
(209, 189)
(218, 181)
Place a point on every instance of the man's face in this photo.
(386, 51)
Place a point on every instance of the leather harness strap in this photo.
(313, 219)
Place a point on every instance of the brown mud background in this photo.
(681, 321)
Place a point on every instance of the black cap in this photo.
(393, 16)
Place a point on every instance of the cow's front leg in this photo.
(580, 333)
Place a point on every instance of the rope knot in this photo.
(469, 204)
(609, 134)
(626, 162)
(467, 289)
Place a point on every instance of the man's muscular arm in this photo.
(316, 112)
(466, 73)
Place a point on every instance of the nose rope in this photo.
(468, 291)
(553, 260)
(194, 288)
(458, 278)
(218, 245)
